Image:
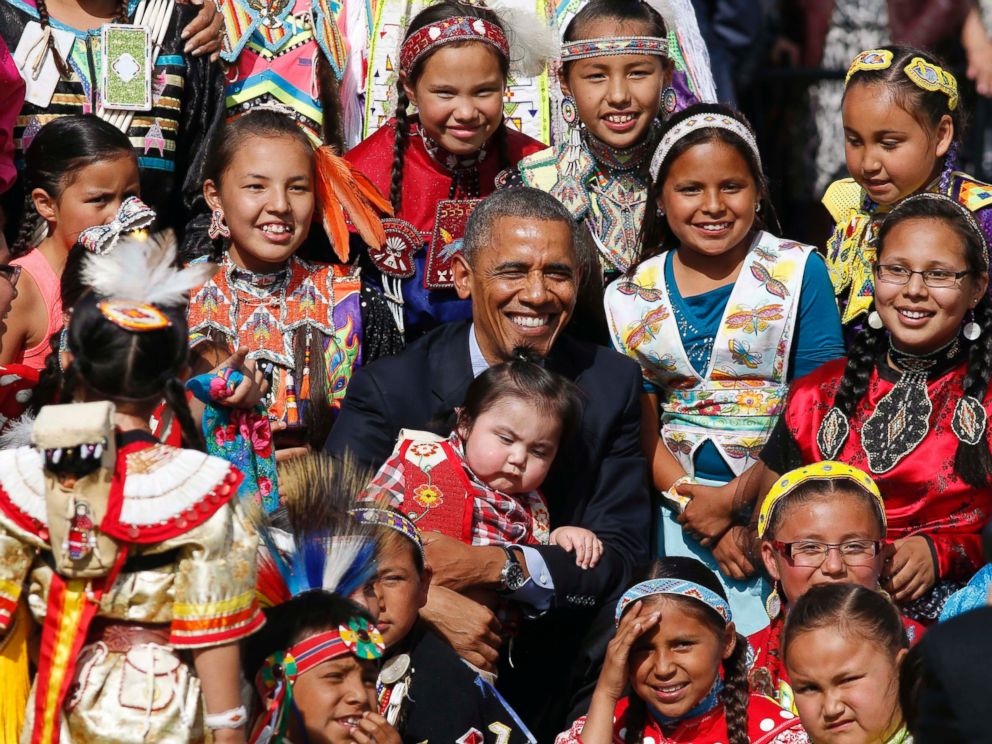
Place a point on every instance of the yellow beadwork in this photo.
(870, 59)
(933, 78)
(825, 470)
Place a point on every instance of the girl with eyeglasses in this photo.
(909, 404)
(819, 524)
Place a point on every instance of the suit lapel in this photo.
(451, 366)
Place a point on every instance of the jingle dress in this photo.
(170, 140)
(923, 494)
(721, 363)
(440, 191)
(428, 480)
(767, 723)
(339, 319)
(187, 581)
(851, 249)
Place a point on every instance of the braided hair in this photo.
(972, 462)
(657, 235)
(429, 15)
(58, 152)
(120, 16)
(735, 694)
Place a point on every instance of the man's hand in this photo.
(909, 572)
(734, 562)
(459, 566)
(710, 512)
(470, 628)
(204, 33)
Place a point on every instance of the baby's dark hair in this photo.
(656, 235)
(735, 695)
(57, 153)
(928, 107)
(289, 623)
(526, 379)
(427, 16)
(624, 12)
(972, 462)
(123, 365)
(850, 609)
(822, 489)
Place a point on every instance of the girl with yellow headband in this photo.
(903, 121)
(819, 524)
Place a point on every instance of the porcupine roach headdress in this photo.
(323, 548)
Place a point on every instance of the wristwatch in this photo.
(512, 576)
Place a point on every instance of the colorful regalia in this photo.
(267, 312)
(275, 48)
(428, 480)
(767, 724)
(170, 138)
(923, 494)
(730, 397)
(439, 193)
(151, 560)
(851, 249)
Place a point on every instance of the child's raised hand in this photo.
(374, 729)
(588, 548)
(616, 668)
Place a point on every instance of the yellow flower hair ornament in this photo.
(825, 470)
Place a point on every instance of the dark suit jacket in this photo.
(597, 481)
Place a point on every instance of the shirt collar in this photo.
(479, 362)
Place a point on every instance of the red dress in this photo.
(923, 494)
(767, 723)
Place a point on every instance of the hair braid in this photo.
(973, 462)
(69, 381)
(637, 714)
(43, 19)
(50, 380)
(120, 15)
(861, 360)
(950, 165)
(30, 222)
(735, 694)
(399, 147)
(175, 397)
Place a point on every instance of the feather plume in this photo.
(343, 190)
(693, 58)
(324, 547)
(144, 270)
(17, 432)
(532, 40)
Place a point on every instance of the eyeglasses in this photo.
(812, 553)
(12, 273)
(934, 278)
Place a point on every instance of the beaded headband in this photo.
(694, 124)
(391, 520)
(677, 587)
(606, 47)
(923, 74)
(965, 212)
(133, 214)
(459, 28)
(134, 316)
(280, 671)
(825, 470)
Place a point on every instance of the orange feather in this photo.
(341, 191)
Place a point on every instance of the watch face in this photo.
(515, 577)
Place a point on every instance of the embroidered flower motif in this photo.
(264, 486)
(428, 496)
(362, 639)
(750, 404)
(225, 435)
(424, 449)
(254, 428)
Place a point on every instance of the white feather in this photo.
(532, 41)
(144, 270)
(680, 20)
(18, 432)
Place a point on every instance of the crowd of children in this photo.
(179, 562)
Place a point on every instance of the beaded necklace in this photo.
(464, 168)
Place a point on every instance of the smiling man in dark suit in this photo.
(521, 266)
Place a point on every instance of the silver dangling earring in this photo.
(218, 228)
(669, 100)
(757, 208)
(875, 320)
(971, 330)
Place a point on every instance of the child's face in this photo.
(511, 446)
(267, 194)
(92, 197)
(459, 96)
(846, 687)
(835, 518)
(332, 696)
(888, 151)
(401, 590)
(617, 97)
(919, 318)
(674, 667)
(709, 198)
